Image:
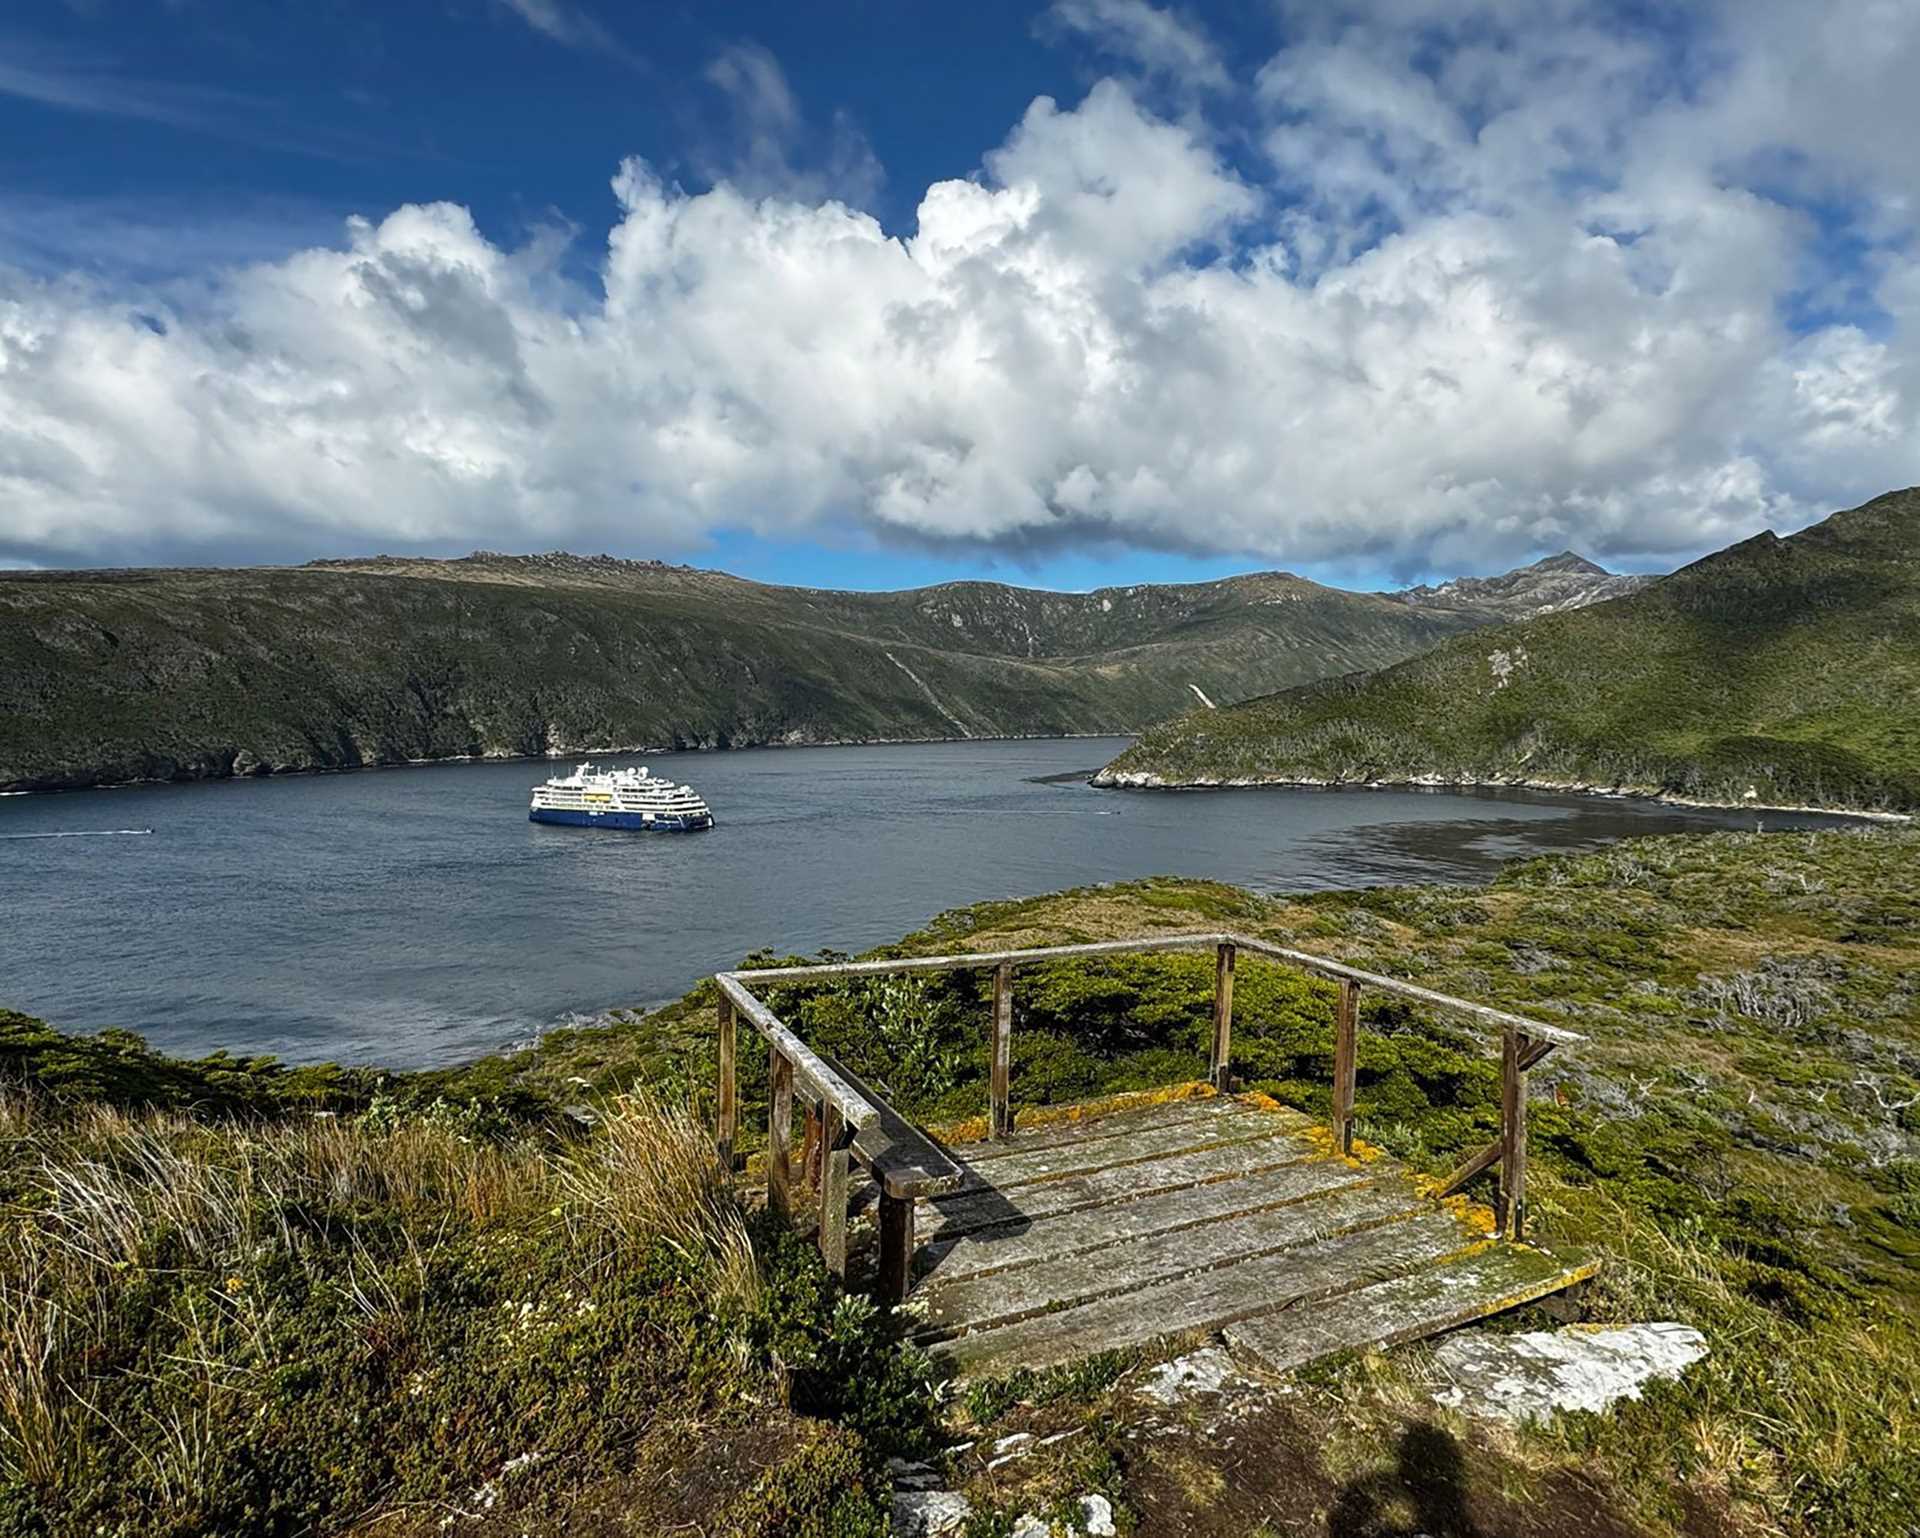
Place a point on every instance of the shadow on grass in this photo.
(1428, 1480)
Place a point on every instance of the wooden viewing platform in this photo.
(1105, 1227)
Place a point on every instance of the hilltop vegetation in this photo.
(113, 676)
(1780, 671)
(238, 1298)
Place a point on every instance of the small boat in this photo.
(631, 799)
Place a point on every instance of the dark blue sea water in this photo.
(414, 916)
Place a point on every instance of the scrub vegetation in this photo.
(110, 676)
(513, 1296)
(1781, 671)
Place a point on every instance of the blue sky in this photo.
(1090, 291)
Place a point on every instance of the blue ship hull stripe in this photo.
(630, 821)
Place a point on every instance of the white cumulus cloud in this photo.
(1448, 285)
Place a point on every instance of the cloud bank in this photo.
(1433, 287)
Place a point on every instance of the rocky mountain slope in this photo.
(1777, 672)
(1560, 582)
(109, 676)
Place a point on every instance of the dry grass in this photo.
(103, 1199)
(651, 1171)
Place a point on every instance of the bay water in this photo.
(414, 916)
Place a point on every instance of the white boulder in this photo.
(1530, 1377)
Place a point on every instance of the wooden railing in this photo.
(848, 1112)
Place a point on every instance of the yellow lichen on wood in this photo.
(975, 1129)
(1470, 1214)
(1325, 1147)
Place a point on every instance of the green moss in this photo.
(823, 1488)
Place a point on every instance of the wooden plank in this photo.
(836, 1140)
(979, 1251)
(1214, 1298)
(903, 1158)
(1485, 1159)
(1222, 1056)
(779, 1131)
(821, 1082)
(1476, 1285)
(810, 1146)
(896, 1248)
(1000, 1076)
(727, 1114)
(968, 1210)
(1147, 1143)
(1001, 1297)
(1346, 1032)
(1511, 1210)
(1061, 1134)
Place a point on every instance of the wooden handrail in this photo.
(829, 971)
(848, 1111)
(822, 1083)
(1485, 1013)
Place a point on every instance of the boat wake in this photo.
(81, 833)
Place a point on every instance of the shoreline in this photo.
(554, 754)
(1140, 779)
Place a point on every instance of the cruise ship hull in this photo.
(636, 822)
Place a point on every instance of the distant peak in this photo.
(1570, 561)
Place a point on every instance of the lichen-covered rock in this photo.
(1208, 1371)
(1095, 1520)
(929, 1513)
(1529, 1377)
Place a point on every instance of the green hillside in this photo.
(241, 1299)
(1778, 672)
(112, 676)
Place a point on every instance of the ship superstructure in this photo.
(619, 798)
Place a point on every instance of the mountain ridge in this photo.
(1777, 672)
(134, 674)
(1551, 585)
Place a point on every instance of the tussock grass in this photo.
(652, 1175)
(240, 1325)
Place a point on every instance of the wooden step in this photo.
(1062, 1134)
(1135, 1146)
(1486, 1280)
(965, 1211)
(1021, 1292)
(1213, 1298)
(982, 1250)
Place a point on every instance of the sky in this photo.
(874, 293)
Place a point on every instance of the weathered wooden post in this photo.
(779, 1132)
(1346, 1035)
(836, 1141)
(1000, 1080)
(810, 1147)
(727, 1118)
(896, 1247)
(1511, 1211)
(1219, 1069)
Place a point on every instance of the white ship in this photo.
(619, 798)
